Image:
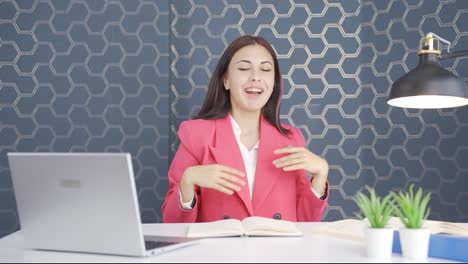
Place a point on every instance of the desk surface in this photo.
(312, 247)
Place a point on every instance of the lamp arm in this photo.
(453, 54)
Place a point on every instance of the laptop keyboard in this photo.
(156, 244)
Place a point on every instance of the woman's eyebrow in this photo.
(247, 61)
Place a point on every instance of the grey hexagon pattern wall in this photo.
(120, 76)
(86, 76)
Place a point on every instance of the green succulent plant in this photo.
(377, 210)
(412, 208)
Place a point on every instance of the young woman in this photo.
(235, 158)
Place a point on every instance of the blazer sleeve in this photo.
(184, 158)
(309, 207)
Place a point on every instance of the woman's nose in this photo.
(255, 77)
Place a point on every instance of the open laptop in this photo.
(82, 202)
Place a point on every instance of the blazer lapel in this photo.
(226, 152)
(266, 175)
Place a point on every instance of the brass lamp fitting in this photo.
(429, 44)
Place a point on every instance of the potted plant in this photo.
(377, 211)
(412, 209)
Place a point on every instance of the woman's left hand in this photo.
(301, 159)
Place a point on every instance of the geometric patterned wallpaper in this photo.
(120, 76)
(86, 76)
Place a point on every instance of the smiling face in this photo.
(250, 78)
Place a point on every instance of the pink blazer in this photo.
(277, 194)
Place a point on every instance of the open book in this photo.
(250, 226)
(353, 229)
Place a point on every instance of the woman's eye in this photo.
(266, 70)
(243, 69)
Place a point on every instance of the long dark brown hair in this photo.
(217, 102)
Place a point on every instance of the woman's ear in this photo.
(225, 82)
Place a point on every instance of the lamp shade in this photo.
(428, 86)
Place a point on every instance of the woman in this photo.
(235, 158)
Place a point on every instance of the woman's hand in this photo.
(303, 159)
(215, 176)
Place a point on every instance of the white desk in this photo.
(313, 247)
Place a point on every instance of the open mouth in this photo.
(254, 90)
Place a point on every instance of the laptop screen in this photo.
(82, 202)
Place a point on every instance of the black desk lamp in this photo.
(429, 85)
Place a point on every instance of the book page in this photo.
(221, 228)
(353, 229)
(436, 227)
(442, 227)
(262, 226)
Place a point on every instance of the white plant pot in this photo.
(415, 243)
(379, 242)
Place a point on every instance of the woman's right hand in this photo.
(215, 176)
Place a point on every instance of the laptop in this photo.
(82, 202)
